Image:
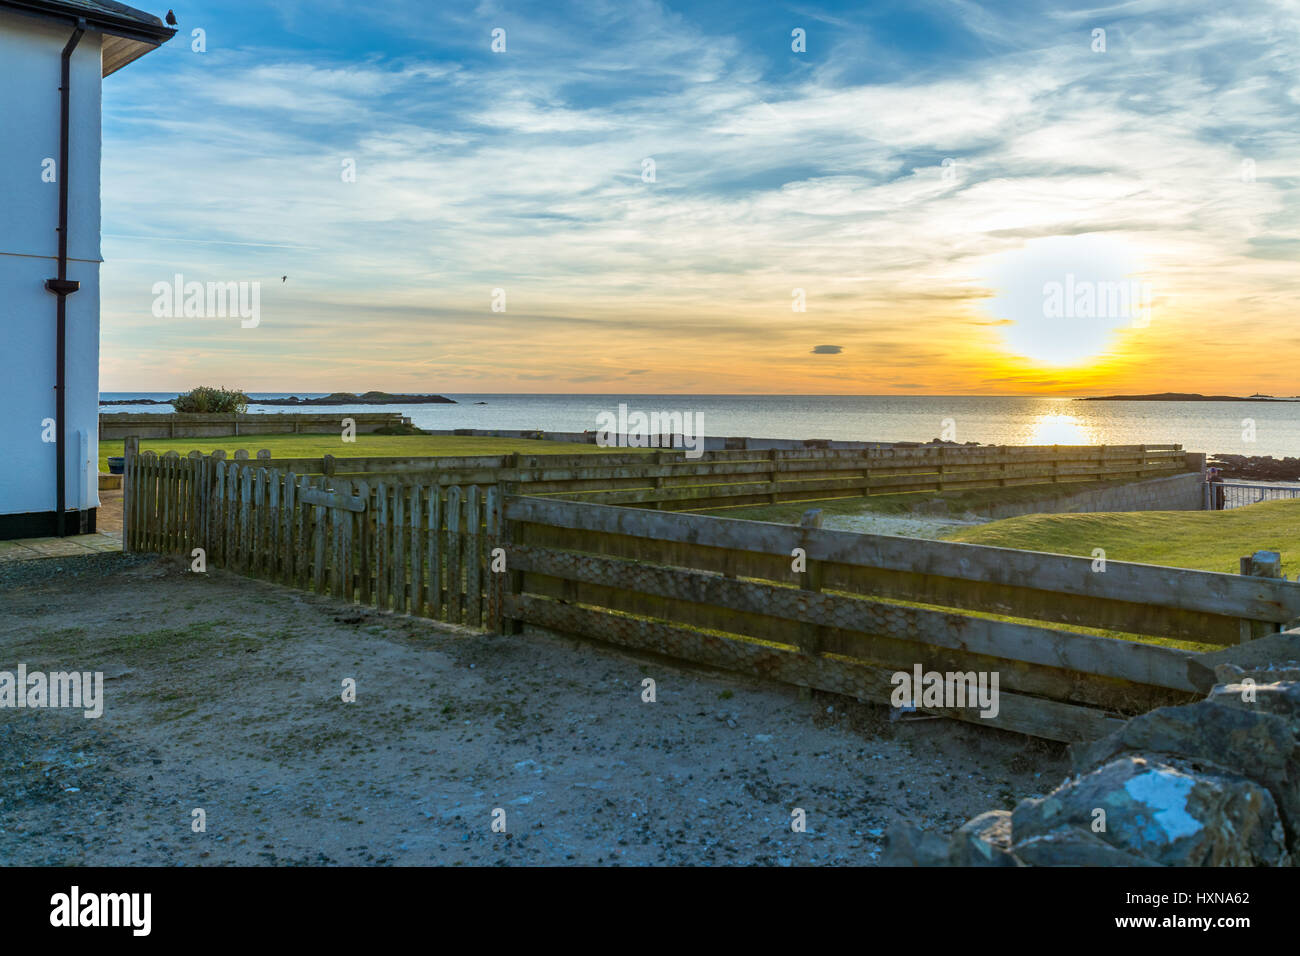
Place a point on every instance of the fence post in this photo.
(495, 579)
(810, 579)
(658, 479)
(1261, 564)
(514, 579)
(130, 452)
(773, 474)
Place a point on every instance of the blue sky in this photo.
(898, 172)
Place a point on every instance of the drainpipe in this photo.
(63, 286)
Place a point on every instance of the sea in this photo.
(1238, 428)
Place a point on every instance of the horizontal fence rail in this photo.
(726, 592)
(670, 481)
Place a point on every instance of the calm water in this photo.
(1215, 427)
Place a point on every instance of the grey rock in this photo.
(1073, 846)
(1281, 698)
(1248, 741)
(1172, 811)
(984, 840)
(912, 846)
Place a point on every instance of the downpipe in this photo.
(62, 286)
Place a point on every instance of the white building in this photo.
(49, 173)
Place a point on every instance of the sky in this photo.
(931, 197)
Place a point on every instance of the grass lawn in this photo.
(366, 446)
(957, 502)
(1204, 540)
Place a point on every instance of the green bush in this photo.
(205, 399)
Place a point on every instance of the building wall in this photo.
(30, 51)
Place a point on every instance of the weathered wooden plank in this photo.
(433, 542)
(398, 562)
(415, 548)
(382, 557)
(288, 506)
(257, 565)
(334, 499)
(1223, 594)
(302, 535)
(494, 577)
(453, 545)
(363, 546)
(320, 517)
(246, 477)
(942, 592)
(1026, 715)
(473, 556)
(1088, 654)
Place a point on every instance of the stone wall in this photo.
(1183, 492)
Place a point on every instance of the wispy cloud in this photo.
(889, 195)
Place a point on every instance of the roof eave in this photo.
(135, 37)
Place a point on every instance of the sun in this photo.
(1065, 301)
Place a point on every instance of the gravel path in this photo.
(223, 693)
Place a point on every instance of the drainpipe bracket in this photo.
(62, 286)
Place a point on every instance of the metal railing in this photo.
(1223, 495)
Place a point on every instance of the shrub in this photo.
(205, 399)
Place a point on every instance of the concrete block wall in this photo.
(1183, 492)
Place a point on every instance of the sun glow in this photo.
(1066, 300)
(1060, 430)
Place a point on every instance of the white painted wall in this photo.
(30, 51)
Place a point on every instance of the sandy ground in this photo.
(224, 693)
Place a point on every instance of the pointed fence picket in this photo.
(415, 548)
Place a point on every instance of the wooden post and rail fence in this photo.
(1075, 647)
(670, 481)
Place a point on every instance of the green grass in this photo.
(1203, 540)
(366, 446)
(954, 503)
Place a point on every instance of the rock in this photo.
(1280, 651)
(1281, 698)
(1073, 846)
(1268, 674)
(912, 846)
(1254, 743)
(1172, 811)
(984, 840)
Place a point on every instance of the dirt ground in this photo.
(225, 694)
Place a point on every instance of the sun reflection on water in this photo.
(1060, 430)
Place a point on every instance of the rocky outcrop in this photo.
(1257, 467)
(1212, 783)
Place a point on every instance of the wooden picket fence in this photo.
(669, 481)
(418, 549)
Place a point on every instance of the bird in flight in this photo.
(283, 279)
(171, 19)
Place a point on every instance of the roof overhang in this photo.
(128, 33)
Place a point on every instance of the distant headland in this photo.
(334, 398)
(1184, 397)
